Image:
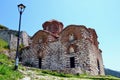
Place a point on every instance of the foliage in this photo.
(56, 73)
(3, 44)
(3, 27)
(21, 46)
(6, 69)
(4, 59)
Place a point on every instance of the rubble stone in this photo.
(73, 50)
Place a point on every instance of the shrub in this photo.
(21, 46)
(3, 27)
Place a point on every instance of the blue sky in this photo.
(102, 15)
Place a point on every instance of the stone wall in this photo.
(29, 57)
(11, 37)
(56, 57)
(5, 34)
(74, 51)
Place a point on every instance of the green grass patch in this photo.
(3, 45)
(5, 60)
(6, 69)
(54, 73)
(79, 76)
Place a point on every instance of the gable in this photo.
(77, 31)
(42, 36)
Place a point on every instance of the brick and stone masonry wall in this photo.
(75, 41)
(11, 37)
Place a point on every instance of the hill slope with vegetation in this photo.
(7, 72)
(112, 72)
(3, 45)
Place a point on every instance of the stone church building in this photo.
(73, 49)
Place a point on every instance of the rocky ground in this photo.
(32, 74)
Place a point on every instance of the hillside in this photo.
(112, 72)
(27, 73)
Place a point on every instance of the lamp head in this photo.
(21, 8)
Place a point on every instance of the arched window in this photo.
(71, 37)
(40, 62)
(71, 49)
(98, 66)
(50, 38)
(40, 40)
(72, 62)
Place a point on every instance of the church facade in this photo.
(73, 49)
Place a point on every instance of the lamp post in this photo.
(21, 9)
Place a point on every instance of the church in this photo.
(73, 49)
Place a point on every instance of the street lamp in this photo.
(21, 9)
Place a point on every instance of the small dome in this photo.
(53, 26)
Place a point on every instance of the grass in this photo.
(7, 73)
(3, 45)
(80, 76)
(7, 65)
(6, 69)
(52, 75)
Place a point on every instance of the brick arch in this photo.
(40, 53)
(40, 34)
(76, 30)
(42, 37)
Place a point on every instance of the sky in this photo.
(102, 15)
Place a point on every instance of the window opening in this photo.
(71, 37)
(40, 62)
(98, 67)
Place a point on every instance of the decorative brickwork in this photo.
(71, 50)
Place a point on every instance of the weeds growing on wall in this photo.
(3, 44)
